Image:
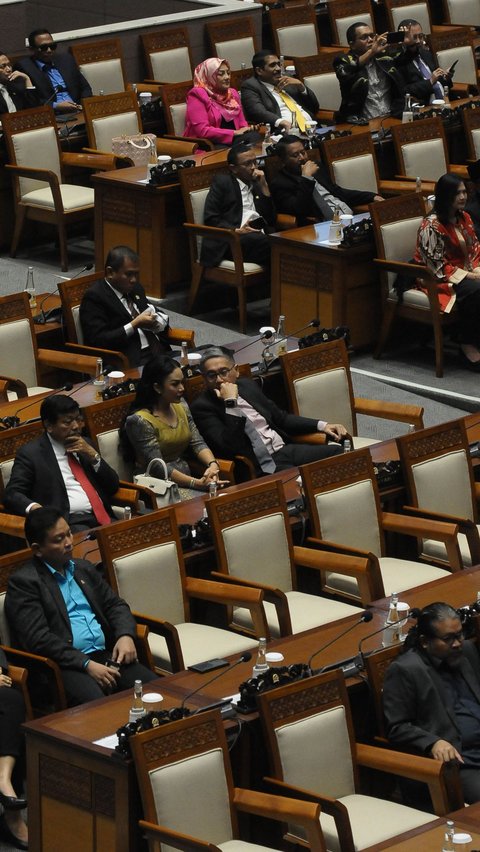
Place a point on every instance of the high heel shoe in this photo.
(11, 803)
(10, 837)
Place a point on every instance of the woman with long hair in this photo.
(214, 109)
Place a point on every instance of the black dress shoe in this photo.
(11, 803)
(10, 837)
(474, 366)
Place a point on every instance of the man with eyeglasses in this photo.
(236, 418)
(16, 90)
(422, 77)
(272, 97)
(370, 83)
(55, 75)
(431, 695)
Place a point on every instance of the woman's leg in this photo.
(468, 306)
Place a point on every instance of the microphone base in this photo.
(350, 667)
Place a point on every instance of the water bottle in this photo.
(407, 114)
(448, 844)
(261, 666)
(391, 633)
(347, 445)
(30, 288)
(280, 337)
(136, 710)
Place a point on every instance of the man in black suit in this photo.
(270, 97)
(422, 77)
(62, 469)
(115, 313)
(302, 188)
(237, 200)
(236, 418)
(473, 204)
(55, 76)
(431, 695)
(62, 609)
(16, 90)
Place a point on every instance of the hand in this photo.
(288, 81)
(378, 198)
(146, 319)
(246, 230)
(78, 444)
(379, 44)
(335, 431)
(124, 651)
(19, 75)
(259, 176)
(5, 680)
(444, 751)
(285, 124)
(105, 676)
(309, 168)
(228, 390)
(67, 106)
(241, 130)
(437, 75)
(209, 477)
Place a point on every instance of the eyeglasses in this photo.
(5, 65)
(450, 638)
(47, 45)
(211, 375)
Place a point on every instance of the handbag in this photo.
(165, 490)
(137, 147)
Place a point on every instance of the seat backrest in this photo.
(421, 150)
(344, 13)
(187, 762)
(351, 161)
(103, 422)
(251, 529)
(33, 142)
(376, 665)
(294, 31)
(343, 502)
(396, 228)
(174, 100)
(317, 73)
(168, 55)
(462, 12)
(308, 729)
(17, 336)
(101, 63)
(71, 295)
(195, 184)
(400, 10)
(466, 69)
(112, 115)
(471, 124)
(235, 40)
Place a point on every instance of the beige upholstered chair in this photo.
(455, 45)
(188, 762)
(343, 13)
(317, 73)
(144, 563)
(35, 162)
(418, 10)
(168, 56)
(396, 223)
(440, 484)
(471, 126)
(253, 541)
(111, 115)
(421, 151)
(195, 184)
(344, 509)
(462, 12)
(174, 101)
(352, 162)
(235, 40)
(101, 63)
(309, 734)
(294, 31)
(319, 385)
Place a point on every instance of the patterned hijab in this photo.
(205, 77)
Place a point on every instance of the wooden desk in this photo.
(456, 589)
(310, 279)
(428, 838)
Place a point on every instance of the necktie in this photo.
(98, 508)
(322, 204)
(293, 107)
(151, 337)
(8, 100)
(262, 455)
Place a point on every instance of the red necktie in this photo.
(98, 508)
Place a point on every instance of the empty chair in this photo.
(421, 151)
(235, 40)
(294, 31)
(456, 45)
(102, 65)
(352, 162)
(317, 73)
(342, 14)
(462, 12)
(168, 55)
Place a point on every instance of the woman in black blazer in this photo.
(12, 713)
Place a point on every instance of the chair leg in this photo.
(438, 338)
(387, 322)
(20, 217)
(197, 274)
(62, 240)
(242, 309)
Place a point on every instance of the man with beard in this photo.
(431, 695)
(423, 80)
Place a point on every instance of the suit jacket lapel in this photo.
(52, 586)
(51, 459)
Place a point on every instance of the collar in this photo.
(69, 569)
(58, 448)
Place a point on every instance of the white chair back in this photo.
(425, 159)
(4, 626)
(325, 394)
(149, 580)
(399, 241)
(344, 23)
(356, 172)
(109, 448)
(104, 77)
(171, 66)
(179, 114)
(104, 129)
(298, 40)
(466, 69)
(260, 542)
(16, 337)
(197, 200)
(326, 88)
(6, 471)
(237, 51)
(476, 142)
(77, 323)
(38, 149)
(464, 12)
(443, 485)
(415, 11)
(348, 516)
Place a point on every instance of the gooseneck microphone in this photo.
(365, 617)
(314, 323)
(13, 420)
(246, 656)
(41, 318)
(264, 335)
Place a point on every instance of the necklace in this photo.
(170, 417)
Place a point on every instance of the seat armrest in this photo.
(120, 161)
(329, 805)
(143, 648)
(19, 677)
(306, 814)
(364, 567)
(427, 528)
(96, 160)
(198, 141)
(108, 355)
(465, 526)
(130, 490)
(67, 361)
(36, 662)
(169, 633)
(12, 524)
(397, 411)
(403, 185)
(184, 842)
(309, 438)
(10, 384)
(44, 175)
(182, 334)
(231, 594)
(270, 594)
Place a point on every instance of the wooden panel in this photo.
(80, 823)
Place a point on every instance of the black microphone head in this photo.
(415, 612)
(108, 369)
(315, 323)
(246, 657)
(88, 267)
(367, 616)
(267, 334)
(67, 386)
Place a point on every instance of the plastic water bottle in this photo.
(136, 710)
(261, 666)
(391, 633)
(30, 288)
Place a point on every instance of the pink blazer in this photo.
(204, 117)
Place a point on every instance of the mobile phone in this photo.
(112, 664)
(395, 38)
(258, 223)
(452, 68)
(209, 665)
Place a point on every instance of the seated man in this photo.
(271, 97)
(115, 313)
(370, 83)
(62, 608)
(55, 76)
(236, 418)
(236, 201)
(431, 695)
(473, 204)
(302, 188)
(16, 89)
(62, 469)
(422, 78)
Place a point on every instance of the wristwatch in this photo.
(97, 458)
(230, 403)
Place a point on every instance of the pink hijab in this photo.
(205, 77)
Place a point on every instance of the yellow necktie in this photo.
(293, 107)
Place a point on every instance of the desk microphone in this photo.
(41, 318)
(56, 91)
(103, 372)
(246, 656)
(13, 420)
(315, 323)
(265, 335)
(366, 616)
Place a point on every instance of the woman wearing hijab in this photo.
(214, 110)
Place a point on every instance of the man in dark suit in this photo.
(236, 418)
(115, 313)
(55, 76)
(16, 90)
(302, 188)
(473, 204)
(270, 97)
(422, 77)
(431, 695)
(62, 469)
(237, 200)
(62, 608)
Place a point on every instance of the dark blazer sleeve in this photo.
(294, 197)
(3, 662)
(21, 485)
(102, 319)
(285, 423)
(223, 208)
(258, 105)
(413, 80)
(224, 433)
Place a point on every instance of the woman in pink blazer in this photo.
(214, 110)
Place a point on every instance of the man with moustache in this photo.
(56, 76)
(16, 89)
(422, 77)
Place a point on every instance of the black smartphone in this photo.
(452, 68)
(209, 665)
(258, 224)
(395, 38)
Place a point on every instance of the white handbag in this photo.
(165, 490)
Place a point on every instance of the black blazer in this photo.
(416, 705)
(473, 208)
(103, 317)
(223, 209)
(22, 97)
(293, 194)
(225, 433)
(36, 478)
(75, 82)
(413, 79)
(38, 618)
(260, 107)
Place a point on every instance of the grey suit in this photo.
(260, 107)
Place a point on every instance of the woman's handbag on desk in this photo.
(137, 147)
(165, 490)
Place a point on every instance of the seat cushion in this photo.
(248, 267)
(306, 611)
(373, 821)
(397, 575)
(243, 846)
(199, 642)
(359, 443)
(436, 550)
(73, 197)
